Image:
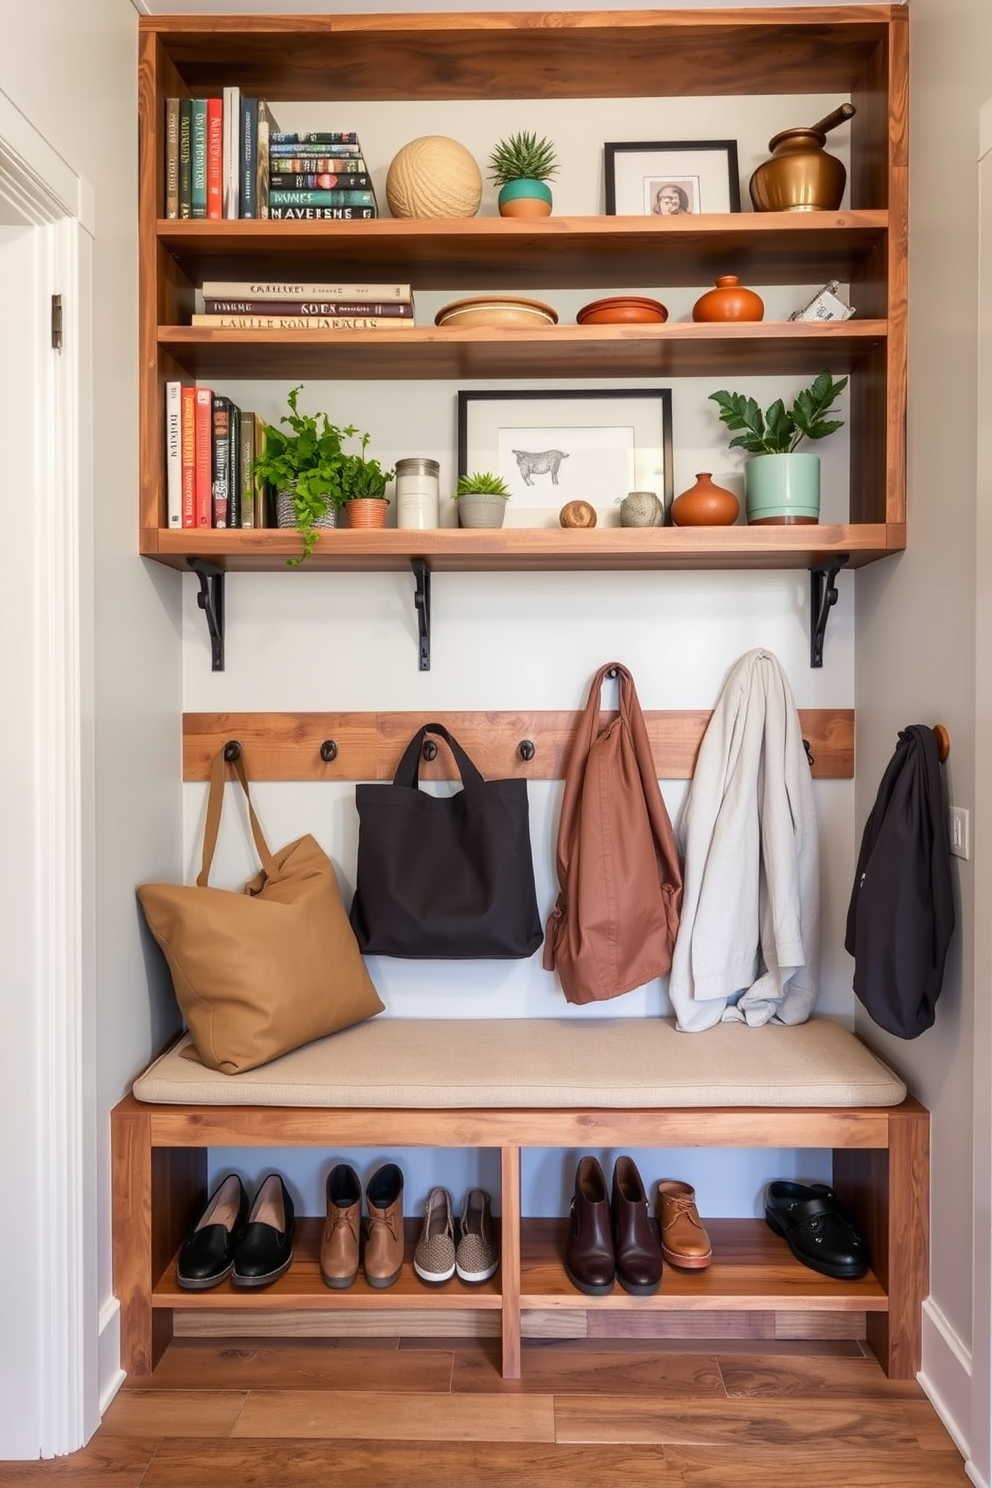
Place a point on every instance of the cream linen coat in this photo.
(748, 941)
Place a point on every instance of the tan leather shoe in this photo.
(384, 1244)
(342, 1228)
(684, 1242)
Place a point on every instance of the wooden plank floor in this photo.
(623, 1413)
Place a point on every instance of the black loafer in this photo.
(817, 1228)
(208, 1252)
(266, 1247)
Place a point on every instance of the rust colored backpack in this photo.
(614, 924)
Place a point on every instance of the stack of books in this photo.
(217, 156)
(320, 176)
(210, 447)
(246, 305)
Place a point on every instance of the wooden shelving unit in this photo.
(853, 49)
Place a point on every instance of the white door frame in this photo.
(49, 660)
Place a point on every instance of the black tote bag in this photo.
(445, 877)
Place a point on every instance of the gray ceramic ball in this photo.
(641, 509)
(433, 177)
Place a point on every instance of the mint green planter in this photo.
(779, 489)
(524, 197)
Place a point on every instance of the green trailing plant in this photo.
(780, 430)
(522, 156)
(481, 483)
(312, 465)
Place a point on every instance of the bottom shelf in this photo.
(753, 1270)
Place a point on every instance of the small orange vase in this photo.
(729, 301)
(366, 511)
(705, 505)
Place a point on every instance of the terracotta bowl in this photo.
(496, 310)
(622, 310)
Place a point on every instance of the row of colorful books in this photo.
(225, 158)
(248, 305)
(211, 446)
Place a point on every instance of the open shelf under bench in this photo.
(880, 1168)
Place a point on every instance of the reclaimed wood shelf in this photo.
(368, 746)
(544, 549)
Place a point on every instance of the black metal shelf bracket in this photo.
(822, 597)
(422, 604)
(211, 602)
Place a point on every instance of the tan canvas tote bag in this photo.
(261, 970)
(614, 925)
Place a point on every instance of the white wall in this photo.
(72, 70)
(513, 640)
(916, 652)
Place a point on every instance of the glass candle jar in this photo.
(417, 498)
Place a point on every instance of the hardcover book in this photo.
(303, 322)
(234, 468)
(320, 198)
(322, 214)
(188, 396)
(172, 157)
(277, 150)
(231, 153)
(320, 181)
(397, 309)
(174, 453)
(215, 159)
(341, 164)
(185, 156)
(198, 159)
(221, 460)
(203, 457)
(315, 137)
(248, 156)
(285, 289)
(246, 479)
(266, 124)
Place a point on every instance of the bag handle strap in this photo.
(215, 804)
(585, 733)
(408, 769)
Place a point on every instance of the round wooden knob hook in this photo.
(943, 738)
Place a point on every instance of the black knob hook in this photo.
(328, 751)
(809, 753)
(525, 749)
(232, 750)
(429, 749)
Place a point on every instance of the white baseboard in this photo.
(111, 1375)
(946, 1377)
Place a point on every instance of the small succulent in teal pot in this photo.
(521, 165)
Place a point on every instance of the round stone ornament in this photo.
(433, 176)
(642, 509)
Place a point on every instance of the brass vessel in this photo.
(801, 176)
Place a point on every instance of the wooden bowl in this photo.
(496, 310)
(622, 310)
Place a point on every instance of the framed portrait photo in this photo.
(672, 178)
(554, 447)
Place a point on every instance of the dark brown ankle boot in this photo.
(589, 1262)
(638, 1253)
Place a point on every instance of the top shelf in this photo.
(552, 55)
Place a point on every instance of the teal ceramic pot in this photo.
(782, 489)
(524, 197)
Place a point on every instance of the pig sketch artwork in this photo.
(539, 462)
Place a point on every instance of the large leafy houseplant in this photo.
(781, 482)
(780, 430)
(310, 464)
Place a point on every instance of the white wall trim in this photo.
(111, 1375)
(946, 1375)
(64, 1201)
(29, 166)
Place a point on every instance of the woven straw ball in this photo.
(433, 177)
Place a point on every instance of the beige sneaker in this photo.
(434, 1257)
(477, 1256)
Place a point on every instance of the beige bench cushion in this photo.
(551, 1062)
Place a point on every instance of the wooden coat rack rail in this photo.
(532, 745)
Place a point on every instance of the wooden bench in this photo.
(586, 1083)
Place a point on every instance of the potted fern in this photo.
(782, 484)
(312, 473)
(481, 499)
(363, 489)
(521, 165)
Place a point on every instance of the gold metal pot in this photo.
(801, 176)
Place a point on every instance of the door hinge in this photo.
(56, 322)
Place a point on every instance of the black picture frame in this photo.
(623, 435)
(689, 172)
